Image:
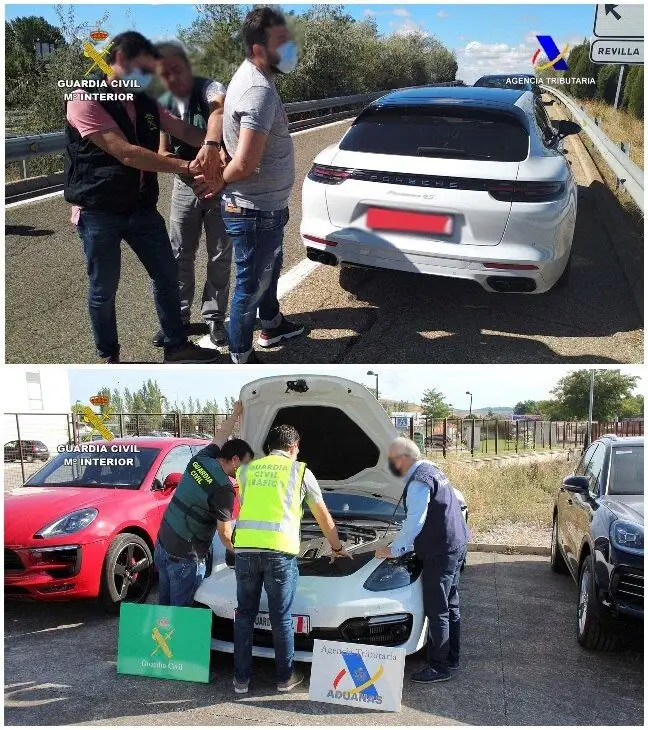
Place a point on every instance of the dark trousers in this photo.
(441, 605)
(278, 574)
(145, 232)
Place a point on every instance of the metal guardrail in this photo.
(629, 174)
(53, 143)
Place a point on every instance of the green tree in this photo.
(632, 406)
(22, 63)
(433, 404)
(584, 68)
(611, 387)
(606, 83)
(215, 42)
(636, 98)
(526, 407)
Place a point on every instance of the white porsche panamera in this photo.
(463, 182)
(345, 435)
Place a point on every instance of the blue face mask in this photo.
(287, 53)
(143, 79)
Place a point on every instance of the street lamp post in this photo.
(371, 372)
(471, 397)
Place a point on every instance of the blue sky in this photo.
(487, 38)
(491, 385)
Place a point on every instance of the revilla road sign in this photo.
(618, 34)
(611, 50)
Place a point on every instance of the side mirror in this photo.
(171, 481)
(576, 484)
(565, 128)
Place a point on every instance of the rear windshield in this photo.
(627, 472)
(333, 446)
(505, 82)
(446, 132)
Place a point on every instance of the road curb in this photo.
(483, 547)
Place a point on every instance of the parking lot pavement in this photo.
(521, 665)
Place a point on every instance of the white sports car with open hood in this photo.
(345, 435)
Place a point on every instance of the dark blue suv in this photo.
(598, 537)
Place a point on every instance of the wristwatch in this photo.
(339, 550)
(213, 143)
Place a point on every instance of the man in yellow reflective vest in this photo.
(266, 543)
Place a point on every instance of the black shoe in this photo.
(158, 340)
(429, 676)
(189, 354)
(284, 331)
(217, 332)
(453, 665)
(112, 360)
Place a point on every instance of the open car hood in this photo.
(345, 433)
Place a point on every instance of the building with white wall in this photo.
(36, 404)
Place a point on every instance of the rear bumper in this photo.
(361, 248)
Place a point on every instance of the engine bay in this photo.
(360, 539)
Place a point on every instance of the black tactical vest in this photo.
(96, 180)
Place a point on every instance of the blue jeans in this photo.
(145, 232)
(441, 605)
(257, 237)
(179, 578)
(277, 573)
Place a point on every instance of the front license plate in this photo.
(381, 219)
(301, 624)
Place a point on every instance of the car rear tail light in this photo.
(322, 241)
(511, 267)
(328, 175)
(526, 192)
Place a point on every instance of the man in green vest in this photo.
(266, 543)
(199, 102)
(201, 504)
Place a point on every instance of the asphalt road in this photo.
(521, 665)
(389, 317)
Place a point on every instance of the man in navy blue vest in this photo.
(436, 531)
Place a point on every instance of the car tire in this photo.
(351, 277)
(557, 560)
(590, 631)
(126, 549)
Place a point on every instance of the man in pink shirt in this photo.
(111, 179)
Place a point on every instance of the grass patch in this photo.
(622, 127)
(508, 493)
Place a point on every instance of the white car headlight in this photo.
(73, 522)
(394, 573)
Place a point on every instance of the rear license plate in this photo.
(301, 624)
(381, 219)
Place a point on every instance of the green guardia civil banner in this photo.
(167, 642)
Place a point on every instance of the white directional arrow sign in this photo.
(619, 21)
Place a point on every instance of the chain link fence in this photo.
(30, 440)
(466, 437)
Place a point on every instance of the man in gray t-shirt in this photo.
(258, 181)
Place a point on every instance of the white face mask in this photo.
(143, 79)
(287, 53)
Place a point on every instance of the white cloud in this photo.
(477, 59)
(402, 13)
(442, 14)
(369, 13)
(409, 27)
